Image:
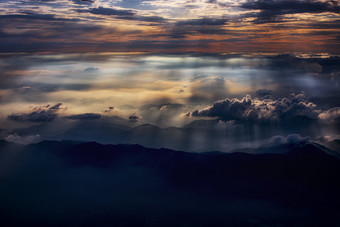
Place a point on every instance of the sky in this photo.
(208, 26)
(187, 75)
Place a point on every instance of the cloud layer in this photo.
(162, 26)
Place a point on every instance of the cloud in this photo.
(310, 64)
(249, 109)
(332, 114)
(290, 139)
(197, 26)
(55, 107)
(15, 138)
(83, 2)
(84, 116)
(207, 88)
(271, 9)
(332, 137)
(123, 14)
(263, 92)
(134, 118)
(35, 32)
(203, 22)
(227, 109)
(40, 114)
(91, 69)
(35, 16)
(109, 109)
(110, 11)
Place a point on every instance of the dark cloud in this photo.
(110, 12)
(35, 16)
(290, 139)
(248, 109)
(311, 64)
(123, 14)
(91, 69)
(134, 118)
(40, 114)
(109, 109)
(271, 9)
(197, 26)
(227, 109)
(84, 116)
(83, 2)
(36, 33)
(263, 92)
(54, 107)
(203, 22)
(155, 19)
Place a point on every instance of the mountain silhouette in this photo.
(63, 183)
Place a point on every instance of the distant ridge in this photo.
(288, 185)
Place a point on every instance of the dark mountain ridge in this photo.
(301, 181)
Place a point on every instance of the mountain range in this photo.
(74, 183)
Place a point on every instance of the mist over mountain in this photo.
(67, 183)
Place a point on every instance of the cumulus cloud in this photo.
(15, 138)
(226, 109)
(39, 114)
(256, 109)
(84, 116)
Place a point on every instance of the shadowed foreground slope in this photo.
(88, 184)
